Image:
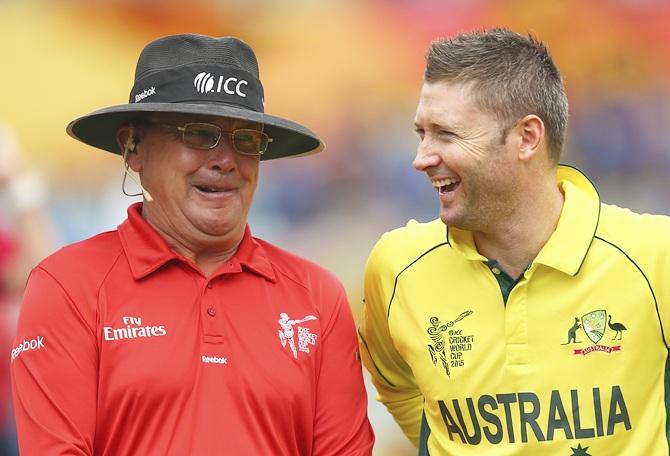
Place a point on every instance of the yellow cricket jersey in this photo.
(575, 362)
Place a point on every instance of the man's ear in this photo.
(125, 138)
(122, 137)
(531, 131)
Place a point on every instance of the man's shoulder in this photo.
(415, 236)
(91, 256)
(622, 223)
(300, 270)
(403, 245)
(634, 231)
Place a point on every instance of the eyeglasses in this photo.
(207, 136)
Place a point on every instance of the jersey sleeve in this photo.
(659, 280)
(651, 251)
(341, 425)
(392, 377)
(54, 372)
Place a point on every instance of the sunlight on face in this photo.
(465, 158)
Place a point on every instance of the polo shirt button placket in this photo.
(211, 310)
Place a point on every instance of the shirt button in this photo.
(209, 285)
(496, 271)
(211, 311)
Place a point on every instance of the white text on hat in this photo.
(145, 93)
(204, 83)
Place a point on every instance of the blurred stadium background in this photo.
(350, 70)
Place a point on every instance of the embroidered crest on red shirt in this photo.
(287, 334)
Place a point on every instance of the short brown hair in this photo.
(511, 76)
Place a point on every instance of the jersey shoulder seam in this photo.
(644, 275)
(395, 282)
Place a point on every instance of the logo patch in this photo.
(27, 345)
(458, 342)
(204, 83)
(133, 329)
(214, 360)
(144, 94)
(287, 334)
(594, 325)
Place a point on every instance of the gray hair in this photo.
(511, 76)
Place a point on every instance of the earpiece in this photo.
(130, 142)
(128, 148)
(145, 193)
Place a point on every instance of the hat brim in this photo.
(99, 128)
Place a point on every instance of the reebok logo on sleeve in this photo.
(27, 345)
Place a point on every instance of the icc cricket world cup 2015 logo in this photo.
(437, 348)
(287, 334)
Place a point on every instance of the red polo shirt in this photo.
(125, 348)
(8, 252)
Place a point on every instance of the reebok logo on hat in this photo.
(146, 93)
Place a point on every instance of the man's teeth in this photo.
(207, 189)
(444, 182)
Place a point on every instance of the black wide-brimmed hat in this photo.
(199, 75)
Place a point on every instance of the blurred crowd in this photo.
(27, 234)
(349, 70)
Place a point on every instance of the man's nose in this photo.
(223, 157)
(426, 155)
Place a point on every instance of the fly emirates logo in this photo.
(133, 329)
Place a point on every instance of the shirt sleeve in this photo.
(341, 425)
(7, 250)
(659, 279)
(651, 250)
(54, 366)
(391, 376)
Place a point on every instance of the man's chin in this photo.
(452, 219)
(221, 221)
(448, 217)
(218, 227)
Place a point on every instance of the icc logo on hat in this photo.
(204, 83)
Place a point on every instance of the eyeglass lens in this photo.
(206, 136)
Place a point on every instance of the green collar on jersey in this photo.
(505, 281)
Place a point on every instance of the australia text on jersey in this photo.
(516, 416)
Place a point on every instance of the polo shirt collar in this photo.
(147, 251)
(464, 242)
(567, 247)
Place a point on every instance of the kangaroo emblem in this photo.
(572, 333)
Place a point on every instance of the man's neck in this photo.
(516, 241)
(208, 253)
(208, 258)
